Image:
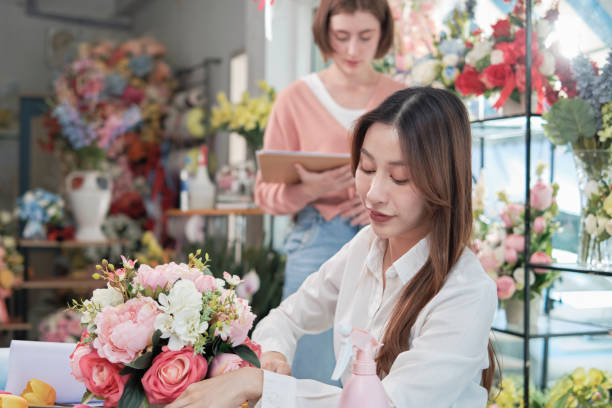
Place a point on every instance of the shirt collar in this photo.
(405, 267)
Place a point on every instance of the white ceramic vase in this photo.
(89, 193)
(515, 312)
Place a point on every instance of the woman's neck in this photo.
(398, 246)
(365, 77)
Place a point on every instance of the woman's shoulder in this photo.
(469, 275)
(390, 85)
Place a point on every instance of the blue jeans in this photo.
(310, 243)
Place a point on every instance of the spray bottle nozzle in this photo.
(365, 345)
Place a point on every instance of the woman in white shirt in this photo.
(409, 278)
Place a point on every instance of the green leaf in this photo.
(87, 396)
(133, 393)
(142, 362)
(562, 402)
(156, 341)
(568, 120)
(247, 354)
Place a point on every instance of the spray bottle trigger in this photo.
(346, 352)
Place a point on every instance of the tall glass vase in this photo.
(594, 172)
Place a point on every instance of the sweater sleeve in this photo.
(281, 134)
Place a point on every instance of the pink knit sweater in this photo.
(300, 122)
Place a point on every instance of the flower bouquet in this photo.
(249, 117)
(154, 331)
(11, 261)
(583, 121)
(496, 63)
(500, 246)
(104, 94)
(37, 209)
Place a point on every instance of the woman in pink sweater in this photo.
(315, 114)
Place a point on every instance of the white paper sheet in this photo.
(45, 361)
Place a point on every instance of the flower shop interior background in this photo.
(146, 77)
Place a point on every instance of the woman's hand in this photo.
(354, 208)
(317, 184)
(275, 362)
(225, 391)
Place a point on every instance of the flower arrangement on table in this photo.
(38, 208)
(509, 394)
(500, 246)
(154, 331)
(11, 261)
(248, 117)
(62, 326)
(104, 94)
(583, 120)
(496, 62)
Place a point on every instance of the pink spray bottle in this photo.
(363, 389)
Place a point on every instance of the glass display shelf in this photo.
(548, 327)
(575, 268)
(32, 243)
(509, 127)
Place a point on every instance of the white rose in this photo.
(183, 295)
(425, 72)
(186, 328)
(519, 277)
(500, 254)
(481, 49)
(106, 297)
(27, 197)
(450, 59)
(548, 64)
(220, 283)
(590, 224)
(543, 28)
(497, 57)
(592, 188)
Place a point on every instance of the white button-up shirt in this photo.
(448, 341)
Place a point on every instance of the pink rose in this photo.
(242, 325)
(516, 242)
(75, 358)
(539, 224)
(505, 287)
(224, 363)
(540, 258)
(102, 378)
(202, 282)
(511, 214)
(541, 195)
(510, 255)
(126, 329)
(489, 261)
(171, 373)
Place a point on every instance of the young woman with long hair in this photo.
(409, 278)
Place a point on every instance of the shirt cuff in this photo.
(278, 391)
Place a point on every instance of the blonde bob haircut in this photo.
(328, 8)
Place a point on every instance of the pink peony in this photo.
(171, 373)
(505, 287)
(539, 224)
(511, 214)
(242, 325)
(164, 276)
(489, 261)
(202, 282)
(516, 242)
(126, 329)
(75, 358)
(510, 255)
(224, 363)
(541, 195)
(102, 378)
(540, 258)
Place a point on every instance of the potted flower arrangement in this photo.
(169, 315)
(496, 62)
(583, 121)
(107, 108)
(39, 208)
(500, 246)
(248, 117)
(11, 261)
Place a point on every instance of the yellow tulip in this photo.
(39, 393)
(12, 401)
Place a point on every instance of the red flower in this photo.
(477, 32)
(469, 45)
(496, 76)
(468, 82)
(133, 95)
(510, 50)
(501, 28)
(519, 77)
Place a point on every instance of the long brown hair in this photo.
(436, 143)
(328, 8)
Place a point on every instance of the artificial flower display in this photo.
(249, 117)
(38, 208)
(153, 331)
(500, 246)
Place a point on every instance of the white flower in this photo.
(450, 59)
(224, 331)
(183, 295)
(497, 57)
(220, 283)
(519, 277)
(480, 191)
(481, 49)
(249, 286)
(609, 227)
(27, 197)
(601, 224)
(438, 85)
(9, 242)
(592, 188)
(106, 297)
(548, 63)
(495, 236)
(500, 254)
(543, 28)
(5, 217)
(590, 224)
(425, 71)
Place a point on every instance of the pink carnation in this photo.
(125, 330)
(541, 195)
(516, 242)
(505, 287)
(540, 258)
